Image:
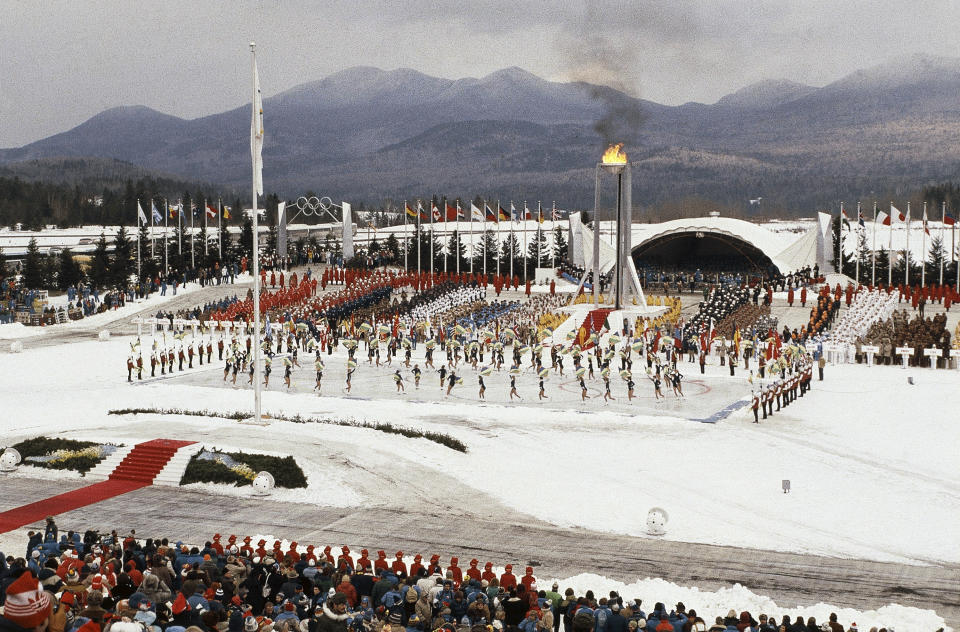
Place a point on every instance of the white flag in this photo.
(256, 131)
(476, 213)
(140, 214)
(896, 215)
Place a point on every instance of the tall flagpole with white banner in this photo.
(256, 158)
(873, 250)
(906, 267)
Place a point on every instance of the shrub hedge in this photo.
(286, 473)
(42, 446)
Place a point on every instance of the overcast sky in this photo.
(64, 61)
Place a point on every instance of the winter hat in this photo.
(68, 598)
(235, 623)
(180, 604)
(395, 617)
(250, 625)
(289, 607)
(147, 617)
(27, 605)
(73, 576)
(89, 626)
(123, 626)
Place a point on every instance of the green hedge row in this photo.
(42, 446)
(437, 437)
(286, 473)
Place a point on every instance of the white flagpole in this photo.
(890, 250)
(539, 227)
(906, 267)
(472, 244)
(180, 231)
(873, 255)
(138, 244)
(857, 268)
(220, 230)
(524, 225)
(498, 237)
(153, 252)
(406, 242)
(512, 221)
(943, 217)
(166, 224)
(840, 243)
(553, 231)
(256, 248)
(444, 241)
(206, 227)
(419, 207)
(193, 263)
(432, 209)
(923, 249)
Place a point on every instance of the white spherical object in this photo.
(16, 346)
(657, 519)
(103, 335)
(262, 483)
(9, 460)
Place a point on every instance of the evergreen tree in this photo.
(847, 266)
(935, 256)
(32, 271)
(3, 265)
(122, 264)
(245, 245)
(226, 244)
(393, 248)
(538, 252)
(510, 251)
(559, 245)
(882, 260)
(457, 249)
(100, 264)
(487, 248)
(69, 272)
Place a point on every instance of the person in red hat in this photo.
(327, 555)
(363, 562)
(246, 549)
(528, 578)
(508, 580)
(215, 545)
(457, 572)
(417, 565)
(434, 567)
(293, 555)
(380, 563)
(488, 574)
(309, 556)
(473, 572)
(399, 566)
(27, 607)
(261, 551)
(344, 558)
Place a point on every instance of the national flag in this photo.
(409, 211)
(514, 213)
(926, 228)
(173, 208)
(475, 213)
(949, 220)
(539, 214)
(453, 213)
(882, 218)
(860, 218)
(226, 212)
(256, 132)
(421, 212)
(846, 220)
(896, 214)
(157, 218)
(140, 214)
(437, 215)
(488, 212)
(211, 212)
(502, 214)
(554, 216)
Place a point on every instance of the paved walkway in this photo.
(502, 535)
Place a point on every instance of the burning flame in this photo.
(615, 155)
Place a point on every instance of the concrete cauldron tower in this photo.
(625, 285)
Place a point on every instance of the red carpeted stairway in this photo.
(593, 323)
(138, 469)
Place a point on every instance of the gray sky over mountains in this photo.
(64, 61)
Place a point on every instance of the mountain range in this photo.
(367, 135)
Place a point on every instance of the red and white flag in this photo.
(211, 212)
(882, 218)
(926, 228)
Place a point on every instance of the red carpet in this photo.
(138, 469)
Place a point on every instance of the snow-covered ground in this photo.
(871, 458)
